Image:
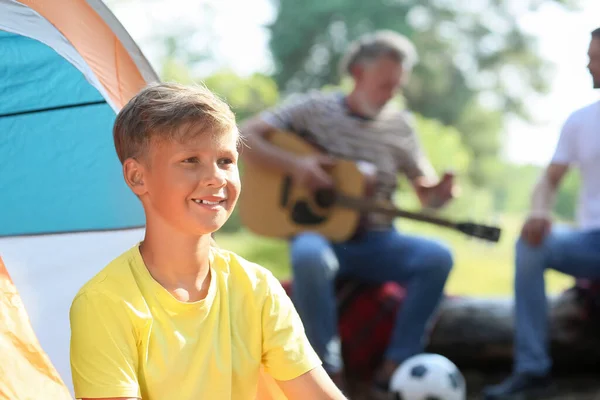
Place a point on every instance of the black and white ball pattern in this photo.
(428, 377)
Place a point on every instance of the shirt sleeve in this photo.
(565, 148)
(286, 352)
(103, 348)
(292, 115)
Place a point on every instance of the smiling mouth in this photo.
(209, 203)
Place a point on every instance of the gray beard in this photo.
(367, 109)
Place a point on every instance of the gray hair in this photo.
(372, 46)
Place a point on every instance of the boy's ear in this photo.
(133, 171)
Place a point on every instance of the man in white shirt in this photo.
(574, 252)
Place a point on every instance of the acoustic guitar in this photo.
(272, 205)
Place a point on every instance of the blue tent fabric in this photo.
(58, 168)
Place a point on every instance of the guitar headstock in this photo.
(485, 232)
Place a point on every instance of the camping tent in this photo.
(66, 68)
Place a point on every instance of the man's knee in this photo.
(445, 259)
(313, 257)
(439, 259)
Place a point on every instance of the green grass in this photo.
(481, 269)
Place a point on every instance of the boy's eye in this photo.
(190, 160)
(225, 161)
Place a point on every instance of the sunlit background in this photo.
(527, 83)
(233, 34)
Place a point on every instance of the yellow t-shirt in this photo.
(131, 338)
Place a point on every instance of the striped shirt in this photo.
(388, 141)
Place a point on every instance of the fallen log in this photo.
(478, 333)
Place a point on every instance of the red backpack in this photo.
(366, 315)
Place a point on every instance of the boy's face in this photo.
(192, 186)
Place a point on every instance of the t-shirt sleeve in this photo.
(292, 115)
(103, 348)
(286, 352)
(412, 160)
(565, 148)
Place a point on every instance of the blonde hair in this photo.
(163, 111)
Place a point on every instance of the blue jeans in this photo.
(571, 252)
(421, 265)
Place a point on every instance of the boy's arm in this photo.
(104, 360)
(538, 223)
(315, 384)
(115, 398)
(288, 356)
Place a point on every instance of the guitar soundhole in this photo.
(325, 198)
(303, 215)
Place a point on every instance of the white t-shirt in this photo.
(579, 145)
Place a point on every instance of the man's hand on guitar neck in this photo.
(435, 195)
(311, 172)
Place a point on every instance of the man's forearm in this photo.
(422, 187)
(262, 153)
(543, 197)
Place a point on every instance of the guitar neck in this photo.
(372, 206)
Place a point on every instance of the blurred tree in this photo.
(477, 64)
(512, 188)
(246, 95)
(567, 197)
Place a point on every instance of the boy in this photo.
(175, 317)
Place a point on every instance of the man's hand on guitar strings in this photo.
(311, 172)
(436, 195)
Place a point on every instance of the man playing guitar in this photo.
(361, 126)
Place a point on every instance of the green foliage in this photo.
(247, 96)
(175, 71)
(512, 187)
(566, 199)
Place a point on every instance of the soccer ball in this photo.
(428, 377)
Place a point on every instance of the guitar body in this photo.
(272, 205)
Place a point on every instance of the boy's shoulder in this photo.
(242, 269)
(116, 278)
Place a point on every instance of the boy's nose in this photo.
(214, 177)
